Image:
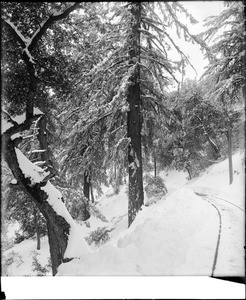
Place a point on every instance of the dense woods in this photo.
(86, 102)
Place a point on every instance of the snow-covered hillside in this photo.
(175, 235)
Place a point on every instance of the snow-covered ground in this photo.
(175, 235)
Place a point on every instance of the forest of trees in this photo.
(86, 102)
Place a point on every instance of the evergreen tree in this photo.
(128, 80)
(225, 75)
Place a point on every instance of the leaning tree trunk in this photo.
(229, 140)
(58, 227)
(134, 120)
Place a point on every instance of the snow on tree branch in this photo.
(77, 246)
(14, 30)
(19, 122)
(30, 170)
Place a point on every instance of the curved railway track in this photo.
(206, 198)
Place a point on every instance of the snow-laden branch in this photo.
(49, 22)
(77, 247)
(30, 170)
(12, 125)
(16, 33)
(29, 44)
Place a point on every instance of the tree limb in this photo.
(49, 22)
(13, 31)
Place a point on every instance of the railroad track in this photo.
(207, 198)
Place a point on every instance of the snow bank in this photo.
(174, 179)
(22, 255)
(159, 242)
(215, 180)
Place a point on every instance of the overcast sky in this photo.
(199, 10)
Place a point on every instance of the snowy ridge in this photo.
(150, 237)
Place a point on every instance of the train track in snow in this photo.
(219, 210)
(227, 202)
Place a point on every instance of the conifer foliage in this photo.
(119, 92)
(86, 103)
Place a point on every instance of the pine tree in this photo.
(227, 57)
(128, 80)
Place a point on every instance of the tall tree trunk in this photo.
(229, 140)
(188, 168)
(155, 169)
(134, 120)
(87, 184)
(37, 228)
(92, 195)
(58, 227)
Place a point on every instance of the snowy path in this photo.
(229, 256)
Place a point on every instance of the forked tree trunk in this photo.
(134, 121)
(229, 140)
(58, 228)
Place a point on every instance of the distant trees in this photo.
(225, 74)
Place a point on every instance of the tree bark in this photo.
(188, 168)
(37, 228)
(155, 169)
(229, 140)
(87, 184)
(58, 228)
(92, 195)
(134, 120)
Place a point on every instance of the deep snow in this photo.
(176, 235)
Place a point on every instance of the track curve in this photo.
(220, 212)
